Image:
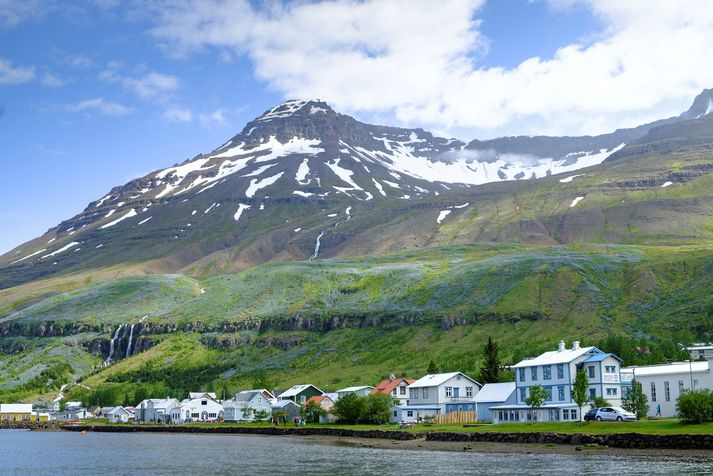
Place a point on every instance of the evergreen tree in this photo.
(580, 391)
(490, 371)
(635, 400)
(432, 368)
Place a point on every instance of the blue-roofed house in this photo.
(493, 394)
(555, 372)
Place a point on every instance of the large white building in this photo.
(437, 394)
(200, 406)
(158, 410)
(555, 372)
(662, 384)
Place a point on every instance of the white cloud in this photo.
(178, 114)
(52, 81)
(148, 85)
(418, 60)
(14, 12)
(213, 119)
(14, 75)
(101, 106)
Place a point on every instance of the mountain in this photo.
(284, 188)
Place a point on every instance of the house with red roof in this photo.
(396, 387)
(326, 403)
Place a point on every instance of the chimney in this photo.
(561, 347)
(575, 345)
(392, 377)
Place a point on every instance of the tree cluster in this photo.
(353, 408)
(695, 406)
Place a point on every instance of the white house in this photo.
(362, 391)
(158, 410)
(493, 394)
(200, 406)
(396, 387)
(700, 351)
(555, 372)
(118, 415)
(662, 384)
(244, 405)
(437, 394)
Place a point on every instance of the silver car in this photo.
(613, 414)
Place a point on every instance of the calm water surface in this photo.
(69, 453)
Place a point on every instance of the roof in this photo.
(388, 385)
(557, 357)
(665, 369)
(319, 399)
(118, 410)
(354, 389)
(196, 395)
(433, 380)
(600, 357)
(15, 408)
(525, 407)
(495, 392)
(74, 404)
(297, 389)
(283, 403)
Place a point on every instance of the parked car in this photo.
(613, 414)
(591, 414)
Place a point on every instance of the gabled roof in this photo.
(319, 399)
(388, 385)
(197, 395)
(283, 403)
(495, 392)
(354, 389)
(600, 357)
(118, 410)
(433, 380)
(297, 389)
(15, 408)
(557, 357)
(664, 369)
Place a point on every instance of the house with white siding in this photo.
(246, 404)
(493, 394)
(396, 387)
(555, 372)
(200, 406)
(663, 384)
(118, 415)
(437, 394)
(158, 410)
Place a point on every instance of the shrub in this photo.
(350, 409)
(695, 406)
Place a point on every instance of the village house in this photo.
(437, 394)
(327, 403)
(16, 412)
(362, 391)
(246, 404)
(118, 415)
(700, 351)
(300, 393)
(288, 407)
(396, 387)
(663, 384)
(158, 410)
(493, 394)
(555, 372)
(200, 406)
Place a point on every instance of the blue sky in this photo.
(95, 93)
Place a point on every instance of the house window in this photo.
(425, 392)
(666, 392)
(303, 398)
(565, 414)
(547, 372)
(560, 393)
(610, 369)
(548, 391)
(457, 377)
(593, 393)
(396, 414)
(573, 414)
(590, 369)
(468, 391)
(521, 371)
(653, 391)
(533, 373)
(523, 392)
(560, 370)
(611, 391)
(204, 402)
(403, 390)
(680, 386)
(393, 392)
(415, 394)
(449, 391)
(409, 413)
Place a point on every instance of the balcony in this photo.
(459, 399)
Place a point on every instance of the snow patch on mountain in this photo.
(61, 250)
(241, 208)
(379, 187)
(571, 177)
(30, 255)
(302, 172)
(575, 202)
(344, 174)
(256, 184)
(132, 213)
(442, 215)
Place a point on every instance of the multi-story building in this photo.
(438, 394)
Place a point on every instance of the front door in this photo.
(456, 392)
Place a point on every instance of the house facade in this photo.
(245, 405)
(437, 394)
(493, 394)
(16, 412)
(663, 384)
(555, 372)
(200, 407)
(158, 410)
(327, 403)
(289, 407)
(300, 393)
(396, 387)
(118, 415)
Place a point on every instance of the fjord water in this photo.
(65, 453)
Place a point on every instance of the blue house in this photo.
(493, 394)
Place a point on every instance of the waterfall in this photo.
(111, 344)
(131, 338)
(316, 247)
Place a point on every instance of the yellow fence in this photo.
(456, 417)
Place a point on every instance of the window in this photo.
(415, 394)
(523, 394)
(303, 398)
(194, 415)
(573, 414)
(653, 391)
(560, 370)
(590, 369)
(457, 377)
(409, 413)
(204, 402)
(593, 392)
(468, 391)
(402, 390)
(521, 371)
(666, 392)
(680, 386)
(396, 414)
(425, 392)
(611, 391)
(449, 391)
(533, 371)
(610, 369)
(548, 391)
(212, 415)
(565, 414)
(393, 392)
(547, 372)
(560, 393)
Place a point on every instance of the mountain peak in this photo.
(702, 105)
(295, 107)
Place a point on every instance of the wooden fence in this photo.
(456, 417)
